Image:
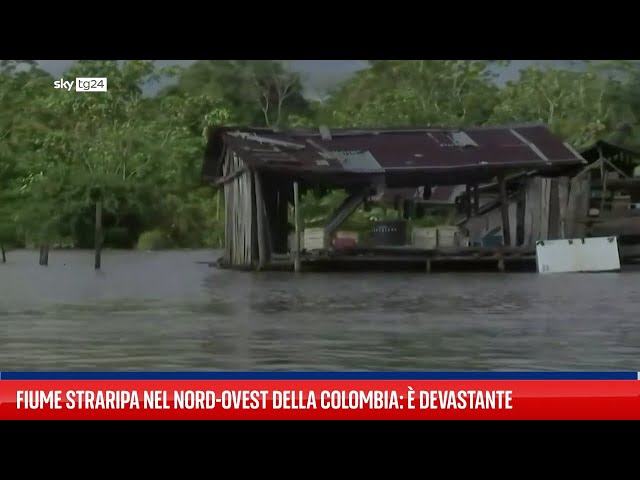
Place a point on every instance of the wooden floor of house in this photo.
(487, 259)
(428, 260)
(410, 259)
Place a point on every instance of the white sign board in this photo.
(578, 255)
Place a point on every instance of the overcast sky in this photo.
(318, 74)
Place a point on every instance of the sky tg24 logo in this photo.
(95, 84)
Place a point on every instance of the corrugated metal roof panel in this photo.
(395, 150)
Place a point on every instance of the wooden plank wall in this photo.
(533, 200)
(563, 199)
(552, 208)
(558, 198)
(513, 223)
(480, 225)
(543, 208)
(240, 215)
(536, 216)
(578, 205)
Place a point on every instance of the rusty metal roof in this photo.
(591, 153)
(390, 151)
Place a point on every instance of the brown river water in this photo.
(166, 311)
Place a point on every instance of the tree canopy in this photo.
(140, 155)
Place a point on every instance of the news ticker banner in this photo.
(319, 396)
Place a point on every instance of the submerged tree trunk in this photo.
(4, 254)
(44, 255)
(98, 235)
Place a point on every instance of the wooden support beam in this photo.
(520, 218)
(270, 214)
(228, 178)
(346, 208)
(255, 239)
(218, 196)
(632, 184)
(554, 210)
(588, 168)
(282, 221)
(468, 198)
(263, 247)
(266, 140)
(603, 176)
(297, 226)
(613, 167)
(504, 207)
(476, 199)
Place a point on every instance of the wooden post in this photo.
(603, 174)
(282, 223)
(520, 219)
(255, 236)
(468, 209)
(98, 236)
(476, 199)
(270, 207)
(554, 210)
(4, 254)
(218, 205)
(263, 254)
(44, 255)
(296, 214)
(506, 231)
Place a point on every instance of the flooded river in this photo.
(165, 311)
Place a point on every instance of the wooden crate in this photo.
(434, 237)
(620, 203)
(462, 239)
(447, 236)
(315, 239)
(348, 234)
(425, 237)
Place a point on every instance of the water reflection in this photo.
(165, 311)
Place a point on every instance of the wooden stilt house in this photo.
(263, 173)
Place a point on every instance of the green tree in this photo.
(22, 84)
(140, 156)
(400, 93)
(575, 104)
(259, 92)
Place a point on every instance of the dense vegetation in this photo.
(140, 155)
